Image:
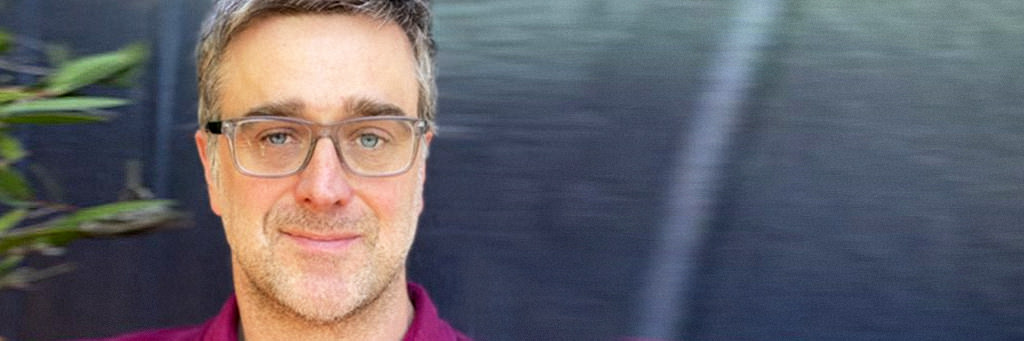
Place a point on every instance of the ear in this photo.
(426, 143)
(211, 183)
(426, 154)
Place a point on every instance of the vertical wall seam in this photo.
(169, 45)
(666, 300)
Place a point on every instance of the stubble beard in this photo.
(350, 285)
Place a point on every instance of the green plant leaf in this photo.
(5, 41)
(12, 218)
(158, 214)
(112, 211)
(123, 79)
(13, 187)
(91, 69)
(23, 242)
(9, 263)
(16, 203)
(23, 277)
(11, 150)
(87, 222)
(52, 118)
(12, 94)
(61, 104)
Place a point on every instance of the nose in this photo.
(323, 184)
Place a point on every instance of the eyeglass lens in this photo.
(367, 147)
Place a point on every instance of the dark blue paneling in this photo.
(872, 190)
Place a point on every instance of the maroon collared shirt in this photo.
(426, 324)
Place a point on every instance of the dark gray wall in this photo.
(871, 189)
(170, 278)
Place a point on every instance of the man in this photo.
(315, 119)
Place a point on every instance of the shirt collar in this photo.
(426, 324)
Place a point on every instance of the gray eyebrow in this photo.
(287, 108)
(365, 107)
(357, 107)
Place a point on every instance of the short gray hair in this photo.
(229, 17)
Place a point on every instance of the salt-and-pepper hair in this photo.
(230, 17)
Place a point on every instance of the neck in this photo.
(263, 318)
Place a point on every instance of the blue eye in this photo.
(276, 138)
(369, 140)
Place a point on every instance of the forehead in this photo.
(321, 61)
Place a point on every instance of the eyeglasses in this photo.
(270, 146)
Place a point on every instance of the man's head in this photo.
(322, 236)
(232, 16)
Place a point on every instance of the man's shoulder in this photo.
(426, 323)
(168, 334)
(220, 327)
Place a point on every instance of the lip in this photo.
(316, 242)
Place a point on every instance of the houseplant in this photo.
(29, 224)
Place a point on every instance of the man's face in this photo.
(323, 242)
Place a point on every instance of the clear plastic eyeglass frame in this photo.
(417, 129)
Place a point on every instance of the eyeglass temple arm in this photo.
(214, 127)
(217, 127)
(427, 126)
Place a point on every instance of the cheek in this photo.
(381, 197)
(245, 202)
(394, 199)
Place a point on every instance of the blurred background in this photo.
(673, 169)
